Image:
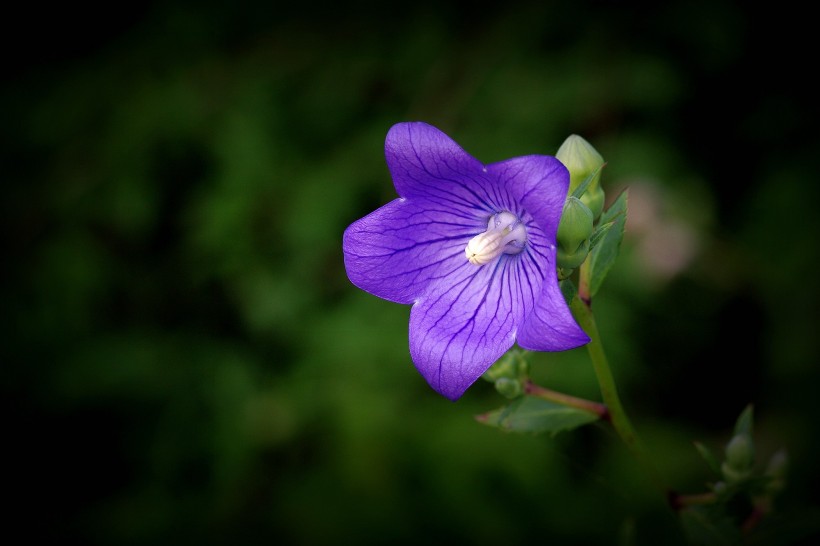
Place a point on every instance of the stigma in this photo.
(505, 235)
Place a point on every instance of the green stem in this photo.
(538, 391)
(620, 422)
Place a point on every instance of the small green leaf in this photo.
(568, 289)
(709, 457)
(603, 256)
(745, 421)
(530, 414)
(598, 234)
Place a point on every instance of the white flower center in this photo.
(505, 234)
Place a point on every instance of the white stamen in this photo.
(505, 234)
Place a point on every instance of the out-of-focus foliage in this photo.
(184, 360)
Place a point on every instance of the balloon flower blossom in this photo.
(472, 248)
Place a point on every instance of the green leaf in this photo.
(568, 290)
(709, 457)
(603, 256)
(534, 415)
(745, 421)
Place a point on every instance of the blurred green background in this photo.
(185, 361)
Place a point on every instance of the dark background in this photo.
(185, 361)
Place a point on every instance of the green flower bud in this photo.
(582, 160)
(739, 459)
(732, 475)
(776, 471)
(568, 261)
(778, 464)
(573, 233)
(563, 273)
(594, 199)
(512, 365)
(506, 366)
(510, 388)
(740, 452)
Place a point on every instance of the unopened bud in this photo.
(740, 452)
(739, 459)
(582, 160)
(776, 471)
(512, 365)
(732, 475)
(506, 366)
(511, 388)
(574, 231)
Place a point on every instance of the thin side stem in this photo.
(538, 391)
(618, 417)
(583, 284)
(679, 502)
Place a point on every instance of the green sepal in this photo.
(535, 415)
(602, 257)
(582, 187)
(709, 457)
(745, 422)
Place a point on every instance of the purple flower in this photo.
(472, 248)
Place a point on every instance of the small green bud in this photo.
(594, 199)
(568, 261)
(576, 224)
(582, 160)
(508, 387)
(574, 231)
(778, 464)
(523, 365)
(512, 365)
(739, 459)
(776, 471)
(506, 366)
(733, 475)
(740, 452)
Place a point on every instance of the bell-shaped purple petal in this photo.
(459, 328)
(412, 251)
(446, 199)
(396, 251)
(427, 164)
(550, 326)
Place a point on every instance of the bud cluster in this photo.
(509, 374)
(584, 203)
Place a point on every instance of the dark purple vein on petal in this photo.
(439, 176)
(470, 322)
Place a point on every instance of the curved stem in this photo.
(538, 391)
(620, 421)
